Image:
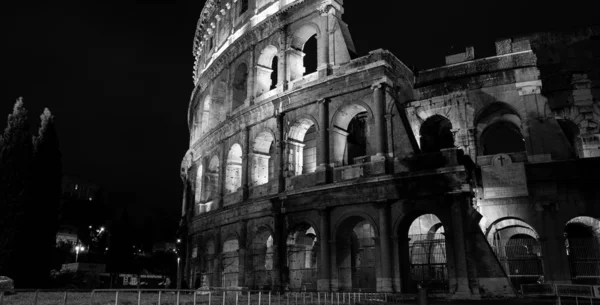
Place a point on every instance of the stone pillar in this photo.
(281, 151)
(460, 263)
(385, 282)
(323, 283)
(378, 113)
(246, 163)
(323, 45)
(323, 169)
(556, 262)
(250, 85)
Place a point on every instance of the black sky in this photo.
(118, 75)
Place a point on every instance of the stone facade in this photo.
(357, 174)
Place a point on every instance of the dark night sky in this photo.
(118, 75)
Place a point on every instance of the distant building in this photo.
(163, 247)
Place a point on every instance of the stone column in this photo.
(323, 283)
(246, 163)
(460, 263)
(385, 282)
(323, 44)
(281, 151)
(323, 169)
(556, 261)
(378, 113)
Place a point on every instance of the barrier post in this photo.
(178, 292)
(139, 298)
(159, 295)
(65, 298)
(117, 297)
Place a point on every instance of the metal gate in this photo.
(302, 264)
(260, 272)
(428, 263)
(521, 259)
(584, 260)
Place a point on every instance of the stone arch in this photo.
(205, 115)
(350, 132)
(267, 70)
(217, 103)
(303, 33)
(517, 247)
(356, 253)
(302, 249)
(302, 146)
(239, 85)
(436, 134)
(582, 244)
(303, 59)
(233, 169)
(211, 189)
(230, 261)
(423, 249)
(207, 264)
(261, 256)
(263, 158)
(499, 120)
(199, 182)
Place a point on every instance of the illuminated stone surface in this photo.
(361, 175)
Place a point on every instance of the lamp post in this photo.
(178, 278)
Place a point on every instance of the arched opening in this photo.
(571, 132)
(207, 266)
(240, 86)
(350, 135)
(199, 181)
(302, 251)
(261, 254)
(502, 137)
(303, 58)
(356, 255)
(211, 189)
(234, 169)
(275, 73)
(266, 71)
(230, 263)
(517, 247)
(302, 147)
(217, 110)
(425, 262)
(206, 119)
(436, 134)
(583, 250)
(310, 55)
(262, 158)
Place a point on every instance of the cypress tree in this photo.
(46, 195)
(16, 149)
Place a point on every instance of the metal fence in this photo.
(564, 294)
(197, 297)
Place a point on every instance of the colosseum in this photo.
(312, 168)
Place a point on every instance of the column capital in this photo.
(323, 100)
(381, 83)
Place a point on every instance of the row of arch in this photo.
(499, 127)
(356, 257)
(268, 73)
(350, 141)
(520, 250)
(423, 255)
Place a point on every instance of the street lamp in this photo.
(178, 280)
(78, 248)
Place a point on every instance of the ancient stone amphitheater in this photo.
(313, 168)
